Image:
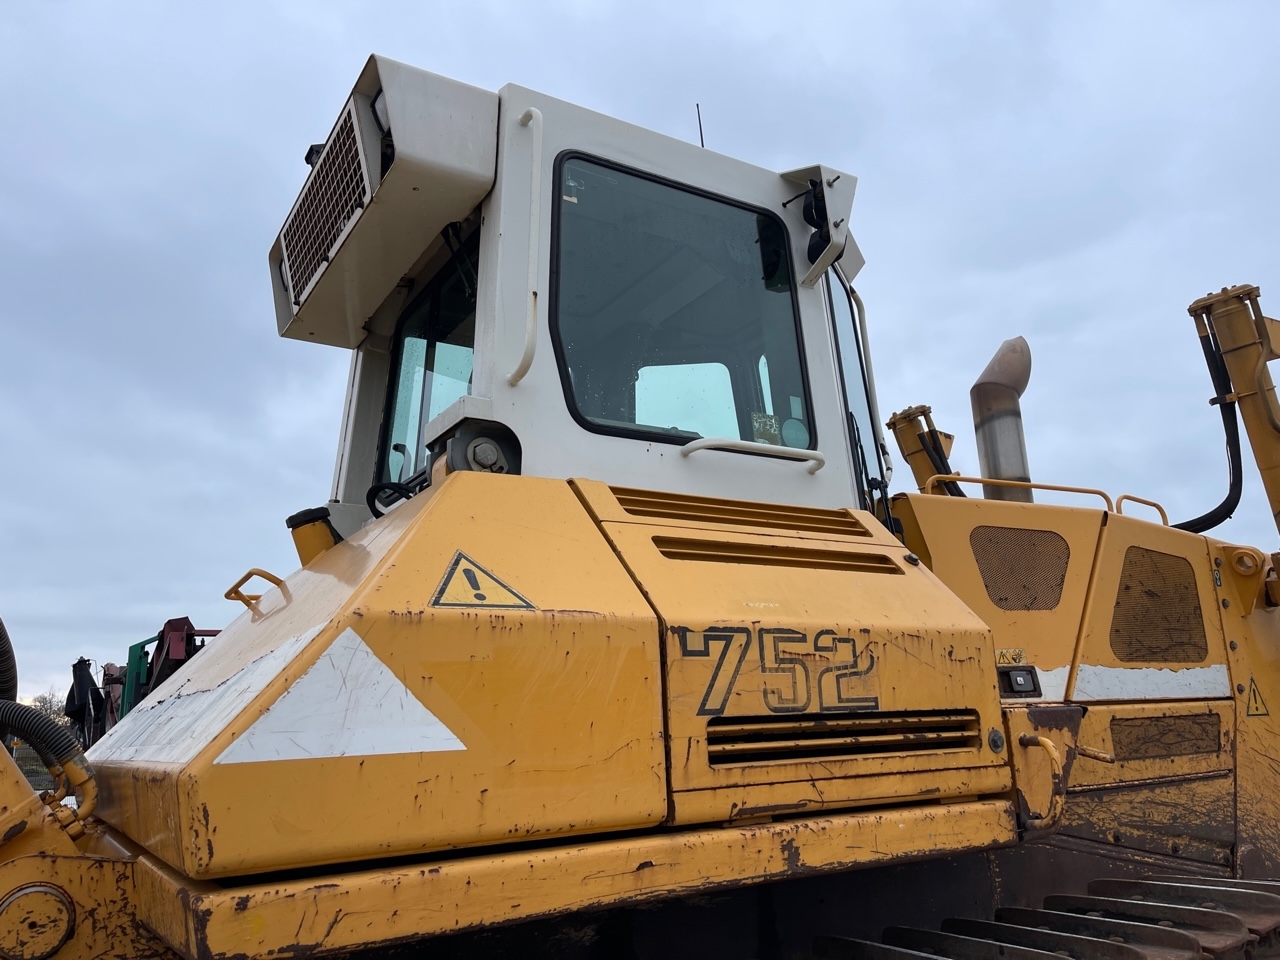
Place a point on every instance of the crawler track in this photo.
(1156, 918)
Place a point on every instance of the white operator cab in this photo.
(531, 287)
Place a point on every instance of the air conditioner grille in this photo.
(797, 739)
(711, 510)
(334, 193)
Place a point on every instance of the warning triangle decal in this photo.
(467, 584)
(1256, 708)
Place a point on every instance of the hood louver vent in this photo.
(709, 510)
(773, 555)
(752, 740)
(336, 191)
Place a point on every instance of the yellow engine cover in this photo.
(810, 664)
(476, 668)
(487, 665)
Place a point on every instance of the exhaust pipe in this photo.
(997, 420)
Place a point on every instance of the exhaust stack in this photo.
(997, 420)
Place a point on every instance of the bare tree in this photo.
(50, 703)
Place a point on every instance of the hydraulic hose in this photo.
(51, 741)
(1231, 427)
(60, 752)
(931, 444)
(8, 676)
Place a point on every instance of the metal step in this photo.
(1156, 918)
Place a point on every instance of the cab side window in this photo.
(431, 361)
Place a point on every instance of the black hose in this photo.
(8, 675)
(371, 497)
(51, 741)
(939, 461)
(1231, 427)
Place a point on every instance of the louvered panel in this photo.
(739, 740)
(701, 511)
(773, 555)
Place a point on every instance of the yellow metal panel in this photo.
(762, 627)
(940, 529)
(330, 913)
(1099, 673)
(1171, 788)
(1253, 650)
(1033, 771)
(549, 717)
(27, 826)
(1154, 740)
(661, 508)
(140, 793)
(756, 800)
(95, 894)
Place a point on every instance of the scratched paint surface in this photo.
(941, 529)
(347, 704)
(184, 714)
(774, 638)
(460, 725)
(1094, 682)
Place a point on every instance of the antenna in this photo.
(701, 142)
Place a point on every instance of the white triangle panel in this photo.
(348, 704)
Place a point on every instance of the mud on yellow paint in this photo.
(778, 633)
(486, 664)
(529, 722)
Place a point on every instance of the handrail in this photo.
(1164, 517)
(1017, 484)
(531, 117)
(816, 459)
(249, 599)
(1058, 790)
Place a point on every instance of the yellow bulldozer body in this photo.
(593, 659)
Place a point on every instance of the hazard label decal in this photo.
(1256, 708)
(467, 584)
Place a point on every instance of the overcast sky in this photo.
(1073, 172)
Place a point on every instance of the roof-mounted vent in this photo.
(410, 153)
(330, 201)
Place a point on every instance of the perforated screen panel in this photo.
(1022, 569)
(1157, 615)
(335, 192)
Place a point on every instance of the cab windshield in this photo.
(673, 312)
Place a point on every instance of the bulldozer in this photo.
(612, 641)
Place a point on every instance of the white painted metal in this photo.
(553, 443)
(348, 703)
(838, 188)
(1095, 682)
(1053, 683)
(516, 380)
(177, 725)
(445, 147)
(531, 118)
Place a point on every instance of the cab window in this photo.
(673, 312)
(431, 360)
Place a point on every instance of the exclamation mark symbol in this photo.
(472, 579)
